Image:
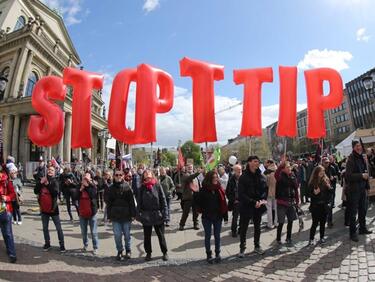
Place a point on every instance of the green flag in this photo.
(214, 160)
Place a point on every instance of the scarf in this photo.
(223, 202)
(149, 184)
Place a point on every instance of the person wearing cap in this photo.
(356, 177)
(252, 194)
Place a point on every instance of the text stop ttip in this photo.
(47, 128)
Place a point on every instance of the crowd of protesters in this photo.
(247, 191)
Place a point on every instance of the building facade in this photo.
(34, 43)
(361, 102)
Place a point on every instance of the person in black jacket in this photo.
(99, 182)
(232, 195)
(87, 214)
(52, 184)
(319, 188)
(332, 173)
(287, 198)
(70, 189)
(357, 183)
(252, 194)
(152, 212)
(212, 204)
(121, 211)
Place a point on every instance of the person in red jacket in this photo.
(7, 196)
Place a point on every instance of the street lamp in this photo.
(105, 136)
(3, 85)
(369, 84)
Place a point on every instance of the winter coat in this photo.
(167, 184)
(286, 188)
(100, 183)
(91, 190)
(121, 204)
(252, 187)
(212, 203)
(7, 191)
(152, 205)
(355, 167)
(271, 180)
(187, 180)
(232, 191)
(107, 185)
(53, 188)
(322, 199)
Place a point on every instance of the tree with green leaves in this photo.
(190, 150)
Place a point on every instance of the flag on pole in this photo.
(214, 160)
(181, 160)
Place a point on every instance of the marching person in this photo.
(331, 173)
(357, 184)
(167, 184)
(87, 212)
(107, 177)
(224, 178)
(121, 211)
(233, 200)
(99, 183)
(252, 194)
(17, 185)
(287, 198)
(212, 204)
(70, 189)
(271, 200)
(319, 189)
(47, 190)
(152, 212)
(7, 196)
(190, 185)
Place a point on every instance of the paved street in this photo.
(339, 259)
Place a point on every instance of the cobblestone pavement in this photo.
(338, 260)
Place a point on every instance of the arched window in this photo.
(20, 23)
(5, 72)
(33, 78)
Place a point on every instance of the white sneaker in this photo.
(84, 249)
(241, 254)
(95, 252)
(15, 222)
(19, 222)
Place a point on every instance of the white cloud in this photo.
(362, 36)
(71, 10)
(325, 58)
(150, 5)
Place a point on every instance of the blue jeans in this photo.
(168, 215)
(56, 221)
(207, 225)
(6, 230)
(93, 222)
(120, 228)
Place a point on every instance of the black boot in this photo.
(209, 257)
(217, 257)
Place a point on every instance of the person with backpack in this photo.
(87, 212)
(7, 196)
(212, 204)
(167, 184)
(152, 212)
(17, 184)
(47, 190)
(121, 211)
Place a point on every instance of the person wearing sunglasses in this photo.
(152, 212)
(121, 211)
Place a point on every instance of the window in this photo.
(20, 23)
(33, 78)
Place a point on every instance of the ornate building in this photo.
(34, 43)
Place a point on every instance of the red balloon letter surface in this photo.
(83, 84)
(287, 124)
(252, 80)
(147, 103)
(203, 76)
(317, 102)
(48, 128)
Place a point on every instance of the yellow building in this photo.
(34, 42)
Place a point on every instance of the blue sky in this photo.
(112, 35)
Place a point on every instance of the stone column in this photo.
(7, 135)
(16, 137)
(49, 153)
(25, 74)
(67, 137)
(102, 151)
(12, 70)
(17, 75)
(60, 149)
